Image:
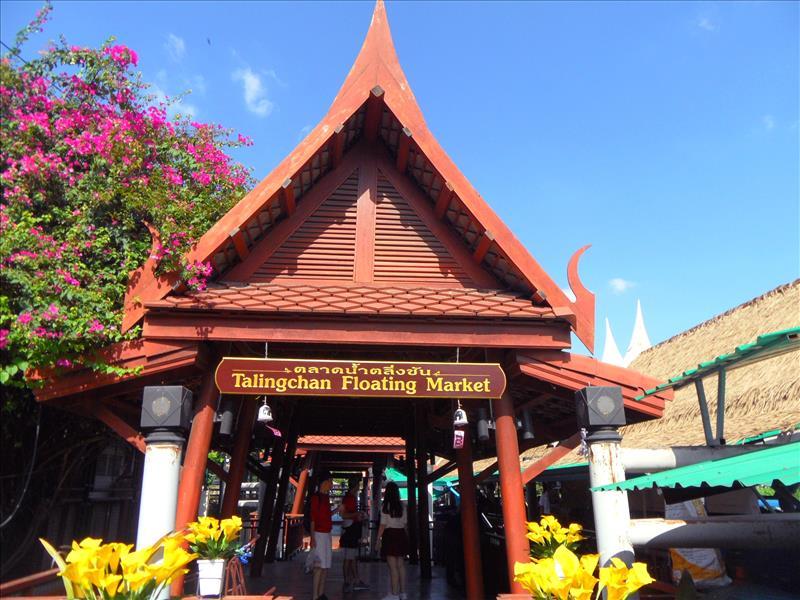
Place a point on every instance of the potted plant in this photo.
(556, 571)
(213, 542)
(99, 571)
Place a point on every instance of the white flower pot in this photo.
(210, 577)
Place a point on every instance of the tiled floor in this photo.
(289, 579)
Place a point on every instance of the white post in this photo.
(159, 500)
(611, 512)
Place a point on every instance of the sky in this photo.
(664, 134)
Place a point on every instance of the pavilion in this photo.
(365, 244)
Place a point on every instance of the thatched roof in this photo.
(759, 397)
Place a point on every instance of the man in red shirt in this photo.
(321, 525)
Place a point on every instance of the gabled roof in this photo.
(375, 104)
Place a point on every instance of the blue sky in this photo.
(664, 134)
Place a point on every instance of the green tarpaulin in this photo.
(780, 462)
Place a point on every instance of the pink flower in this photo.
(63, 362)
(4, 338)
(96, 326)
(25, 318)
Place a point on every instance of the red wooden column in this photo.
(302, 484)
(411, 487)
(283, 488)
(517, 547)
(473, 569)
(423, 522)
(194, 462)
(241, 447)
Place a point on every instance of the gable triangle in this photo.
(323, 246)
(405, 248)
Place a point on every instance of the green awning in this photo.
(780, 462)
(765, 346)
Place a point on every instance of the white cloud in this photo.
(619, 285)
(255, 93)
(706, 24)
(176, 47)
(768, 121)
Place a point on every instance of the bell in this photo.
(265, 414)
(460, 418)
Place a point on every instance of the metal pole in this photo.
(517, 546)
(721, 405)
(648, 460)
(473, 568)
(736, 531)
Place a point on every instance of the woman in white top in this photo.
(393, 541)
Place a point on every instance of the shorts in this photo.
(350, 553)
(323, 550)
(394, 542)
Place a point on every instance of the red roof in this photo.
(350, 440)
(574, 372)
(375, 104)
(359, 299)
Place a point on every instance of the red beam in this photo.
(360, 330)
(237, 237)
(372, 120)
(337, 146)
(287, 197)
(486, 473)
(403, 146)
(443, 470)
(366, 207)
(483, 245)
(564, 447)
(120, 427)
(443, 201)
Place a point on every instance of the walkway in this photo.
(289, 580)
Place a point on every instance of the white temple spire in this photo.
(640, 341)
(611, 354)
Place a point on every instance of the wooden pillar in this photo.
(411, 488)
(283, 487)
(241, 448)
(517, 547)
(302, 484)
(194, 462)
(473, 569)
(423, 522)
(268, 500)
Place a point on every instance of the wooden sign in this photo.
(295, 377)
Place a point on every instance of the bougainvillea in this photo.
(89, 165)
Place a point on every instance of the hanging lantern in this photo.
(483, 425)
(265, 413)
(460, 418)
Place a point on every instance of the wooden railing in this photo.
(25, 584)
(293, 534)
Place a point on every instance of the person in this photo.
(393, 541)
(351, 537)
(321, 525)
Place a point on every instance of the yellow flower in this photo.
(620, 581)
(110, 583)
(231, 527)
